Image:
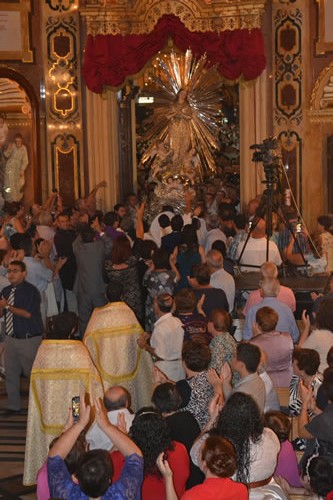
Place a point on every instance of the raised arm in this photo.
(93, 192)
(66, 441)
(166, 472)
(306, 330)
(139, 224)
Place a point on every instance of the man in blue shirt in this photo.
(93, 476)
(269, 290)
(20, 304)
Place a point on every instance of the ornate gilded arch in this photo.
(128, 17)
(321, 104)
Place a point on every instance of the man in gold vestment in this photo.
(62, 369)
(111, 338)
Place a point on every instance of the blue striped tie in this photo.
(9, 315)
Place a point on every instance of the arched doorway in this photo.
(20, 176)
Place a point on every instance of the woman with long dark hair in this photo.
(151, 434)
(256, 446)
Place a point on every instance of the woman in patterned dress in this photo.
(159, 279)
(121, 266)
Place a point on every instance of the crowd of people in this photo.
(137, 320)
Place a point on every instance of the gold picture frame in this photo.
(325, 27)
(14, 31)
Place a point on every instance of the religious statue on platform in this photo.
(182, 133)
(17, 161)
(180, 117)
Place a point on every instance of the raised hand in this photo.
(163, 466)
(226, 373)
(101, 415)
(84, 412)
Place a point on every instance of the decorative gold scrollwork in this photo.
(114, 17)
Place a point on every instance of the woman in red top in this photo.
(218, 462)
(151, 434)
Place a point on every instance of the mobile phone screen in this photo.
(76, 408)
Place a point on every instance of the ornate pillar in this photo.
(63, 110)
(291, 49)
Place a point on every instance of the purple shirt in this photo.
(279, 349)
(128, 486)
(287, 465)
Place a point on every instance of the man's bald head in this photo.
(269, 270)
(214, 259)
(117, 397)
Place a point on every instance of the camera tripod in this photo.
(270, 203)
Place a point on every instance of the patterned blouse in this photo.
(222, 348)
(128, 278)
(295, 402)
(196, 396)
(156, 282)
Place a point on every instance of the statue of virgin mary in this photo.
(185, 124)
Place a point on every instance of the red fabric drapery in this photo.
(110, 59)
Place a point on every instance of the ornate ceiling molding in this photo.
(134, 17)
(321, 105)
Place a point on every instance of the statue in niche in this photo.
(180, 117)
(182, 133)
(17, 161)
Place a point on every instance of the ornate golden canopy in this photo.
(321, 105)
(134, 17)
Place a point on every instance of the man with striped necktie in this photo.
(20, 304)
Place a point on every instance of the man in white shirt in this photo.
(166, 341)
(155, 229)
(255, 250)
(117, 400)
(219, 277)
(214, 232)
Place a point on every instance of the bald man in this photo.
(116, 400)
(255, 249)
(220, 278)
(285, 295)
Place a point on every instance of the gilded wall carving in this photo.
(321, 105)
(62, 59)
(65, 151)
(61, 5)
(141, 16)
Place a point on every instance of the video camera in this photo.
(267, 152)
